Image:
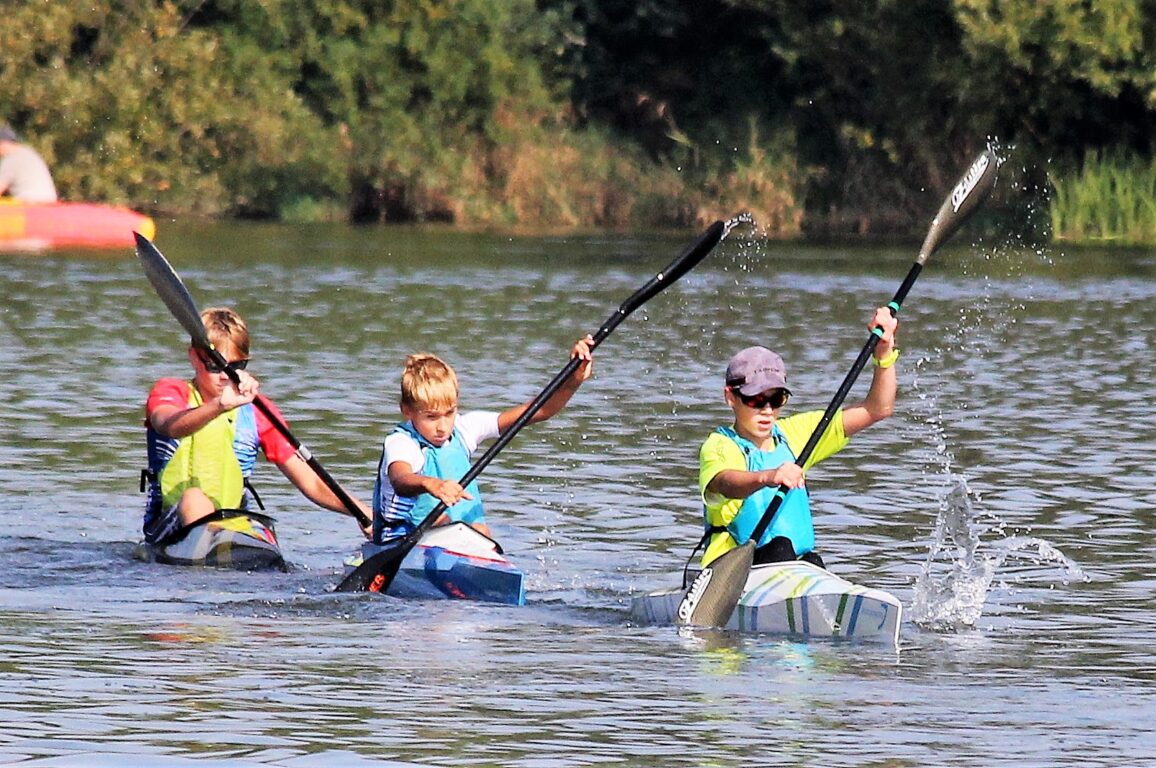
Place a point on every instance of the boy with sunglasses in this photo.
(203, 437)
(742, 466)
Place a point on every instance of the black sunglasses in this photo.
(236, 365)
(776, 398)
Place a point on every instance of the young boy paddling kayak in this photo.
(203, 437)
(423, 457)
(742, 465)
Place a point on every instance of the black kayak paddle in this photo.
(713, 595)
(377, 572)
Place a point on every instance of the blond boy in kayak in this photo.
(423, 458)
(741, 466)
(203, 437)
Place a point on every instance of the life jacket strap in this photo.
(710, 531)
(253, 493)
(147, 476)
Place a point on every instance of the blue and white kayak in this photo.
(794, 598)
(243, 541)
(455, 562)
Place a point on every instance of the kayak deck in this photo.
(453, 562)
(794, 598)
(243, 541)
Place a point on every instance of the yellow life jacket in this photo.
(205, 460)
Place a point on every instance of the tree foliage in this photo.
(1065, 76)
(567, 112)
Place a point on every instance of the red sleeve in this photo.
(167, 392)
(277, 447)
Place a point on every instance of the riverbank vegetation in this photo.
(846, 117)
(1109, 199)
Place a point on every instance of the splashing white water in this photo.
(741, 218)
(953, 600)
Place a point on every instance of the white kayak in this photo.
(794, 598)
(244, 541)
(453, 561)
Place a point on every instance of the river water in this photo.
(1008, 504)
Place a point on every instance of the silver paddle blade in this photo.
(168, 285)
(713, 595)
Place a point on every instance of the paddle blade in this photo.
(168, 285)
(966, 196)
(685, 262)
(375, 573)
(715, 592)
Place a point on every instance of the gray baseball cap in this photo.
(755, 370)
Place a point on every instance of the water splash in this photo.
(960, 569)
(742, 218)
(953, 600)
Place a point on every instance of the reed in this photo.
(1110, 197)
(762, 181)
(544, 178)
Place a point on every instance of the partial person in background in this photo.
(23, 173)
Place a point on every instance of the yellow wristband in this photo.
(889, 360)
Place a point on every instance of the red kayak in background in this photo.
(41, 226)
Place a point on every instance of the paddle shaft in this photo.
(302, 451)
(836, 401)
(377, 572)
(677, 269)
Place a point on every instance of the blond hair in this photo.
(428, 382)
(223, 325)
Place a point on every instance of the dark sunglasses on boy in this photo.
(211, 367)
(776, 398)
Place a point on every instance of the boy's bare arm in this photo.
(581, 350)
(741, 483)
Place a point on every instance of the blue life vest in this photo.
(793, 518)
(451, 461)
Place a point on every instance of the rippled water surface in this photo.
(1008, 504)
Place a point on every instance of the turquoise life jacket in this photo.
(450, 461)
(793, 518)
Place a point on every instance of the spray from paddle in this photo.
(971, 548)
(953, 600)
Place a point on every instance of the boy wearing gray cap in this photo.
(741, 466)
